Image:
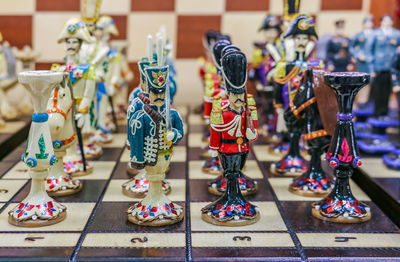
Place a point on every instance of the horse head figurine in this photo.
(62, 130)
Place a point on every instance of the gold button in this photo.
(239, 141)
(54, 110)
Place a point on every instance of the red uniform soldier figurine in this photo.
(232, 127)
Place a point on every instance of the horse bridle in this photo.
(56, 109)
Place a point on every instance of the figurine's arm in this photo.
(177, 126)
(252, 133)
(395, 70)
(370, 50)
(88, 93)
(135, 132)
(352, 47)
(215, 138)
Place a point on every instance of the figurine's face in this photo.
(91, 26)
(369, 24)
(386, 22)
(72, 46)
(236, 101)
(98, 33)
(157, 99)
(270, 35)
(300, 42)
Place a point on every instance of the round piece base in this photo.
(156, 222)
(341, 219)
(296, 173)
(309, 193)
(132, 171)
(37, 222)
(79, 173)
(94, 156)
(130, 193)
(66, 192)
(215, 191)
(212, 171)
(230, 223)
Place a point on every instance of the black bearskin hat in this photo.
(217, 51)
(234, 71)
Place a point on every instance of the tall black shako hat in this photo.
(217, 52)
(210, 37)
(234, 71)
(270, 22)
(303, 24)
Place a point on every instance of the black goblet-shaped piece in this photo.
(340, 205)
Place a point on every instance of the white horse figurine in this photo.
(62, 130)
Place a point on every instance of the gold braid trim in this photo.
(315, 134)
(296, 111)
(283, 80)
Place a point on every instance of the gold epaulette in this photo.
(280, 74)
(216, 112)
(209, 88)
(280, 69)
(201, 61)
(90, 73)
(257, 56)
(55, 67)
(254, 114)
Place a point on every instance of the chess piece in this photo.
(38, 209)
(155, 129)
(126, 76)
(138, 186)
(383, 44)
(340, 205)
(94, 52)
(62, 130)
(309, 98)
(105, 27)
(338, 57)
(231, 130)
(82, 77)
(218, 185)
(288, 78)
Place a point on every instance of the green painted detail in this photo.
(105, 66)
(42, 149)
(26, 147)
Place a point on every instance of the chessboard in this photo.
(13, 133)
(96, 227)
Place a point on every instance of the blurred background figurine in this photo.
(338, 57)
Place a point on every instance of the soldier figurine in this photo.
(138, 186)
(232, 127)
(380, 52)
(82, 76)
(288, 78)
(358, 50)
(154, 130)
(338, 58)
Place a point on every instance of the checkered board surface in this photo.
(96, 227)
(12, 134)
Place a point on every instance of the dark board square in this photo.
(190, 33)
(112, 217)
(152, 6)
(52, 5)
(299, 215)
(341, 5)
(121, 22)
(111, 154)
(390, 185)
(199, 192)
(17, 29)
(251, 5)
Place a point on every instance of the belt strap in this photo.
(233, 141)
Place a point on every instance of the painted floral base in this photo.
(140, 185)
(232, 209)
(212, 166)
(313, 183)
(150, 213)
(279, 148)
(246, 184)
(290, 165)
(71, 167)
(54, 184)
(333, 207)
(93, 151)
(101, 137)
(47, 210)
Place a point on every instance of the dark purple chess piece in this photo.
(340, 205)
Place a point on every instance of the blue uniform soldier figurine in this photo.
(153, 130)
(138, 186)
